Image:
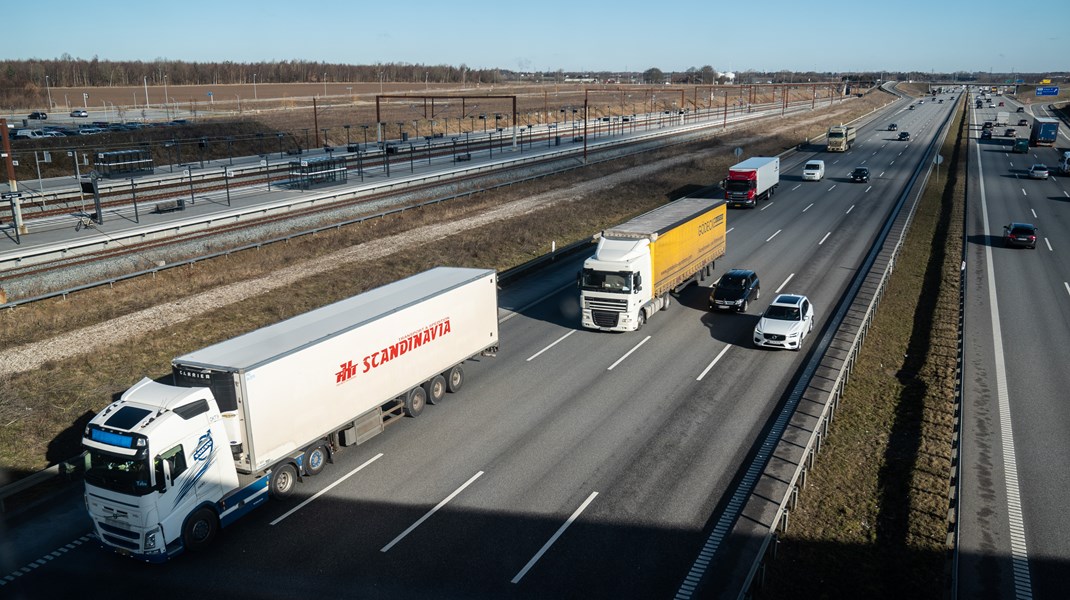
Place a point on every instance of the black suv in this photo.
(904, 136)
(860, 174)
(38, 116)
(734, 290)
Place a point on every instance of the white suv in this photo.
(785, 323)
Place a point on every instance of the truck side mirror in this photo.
(579, 278)
(638, 282)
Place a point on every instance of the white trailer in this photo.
(1002, 118)
(171, 464)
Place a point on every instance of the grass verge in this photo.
(872, 518)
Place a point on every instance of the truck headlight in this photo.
(150, 538)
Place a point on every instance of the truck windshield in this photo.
(119, 473)
(602, 281)
(735, 185)
(836, 134)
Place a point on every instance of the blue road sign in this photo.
(1048, 91)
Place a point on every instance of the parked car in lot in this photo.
(893, 127)
(904, 136)
(1020, 235)
(734, 290)
(785, 323)
(38, 116)
(29, 134)
(860, 174)
(813, 170)
(80, 113)
(1038, 171)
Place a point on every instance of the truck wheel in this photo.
(641, 320)
(665, 304)
(435, 389)
(200, 529)
(283, 480)
(455, 379)
(415, 401)
(316, 459)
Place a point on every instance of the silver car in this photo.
(1038, 171)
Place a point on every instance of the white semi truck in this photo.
(637, 264)
(168, 465)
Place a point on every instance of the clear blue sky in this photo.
(546, 35)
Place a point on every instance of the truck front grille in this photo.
(603, 318)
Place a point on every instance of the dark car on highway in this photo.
(734, 290)
(1020, 235)
(1023, 122)
(860, 174)
(904, 136)
(38, 116)
(893, 127)
(986, 134)
(1020, 109)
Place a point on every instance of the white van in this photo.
(1064, 164)
(813, 170)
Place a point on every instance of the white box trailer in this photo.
(171, 464)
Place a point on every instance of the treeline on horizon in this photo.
(26, 80)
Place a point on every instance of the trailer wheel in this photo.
(283, 480)
(200, 529)
(435, 389)
(316, 459)
(665, 305)
(455, 379)
(415, 401)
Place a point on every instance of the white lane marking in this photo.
(777, 291)
(824, 238)
(891, 163)
(868, 188)
(710, 366)
(1067, 286)
(767, 205)
(796, 187)
(1023, 586)
(556, 342)
(627, 354)
(553, 538)
(1024, 193)
(1066, 193)
(832, 188)
(42, 561)
(808, 207)
(864, 162)
(1034, 213)
(850, 209)
(326, 489)
(1049, 245)
(881, 175)
(431, 512)
(730, 229)
(774, 235)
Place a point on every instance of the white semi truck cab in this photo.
(616, 285)
(153, 456)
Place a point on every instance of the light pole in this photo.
(145, 83)
(346, 127)
(254, 86)
(167, 106)
(365, 128)
(48, 89)
(324, 85)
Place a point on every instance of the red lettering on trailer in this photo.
(412, 341)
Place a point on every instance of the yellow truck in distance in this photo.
(637, 264)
